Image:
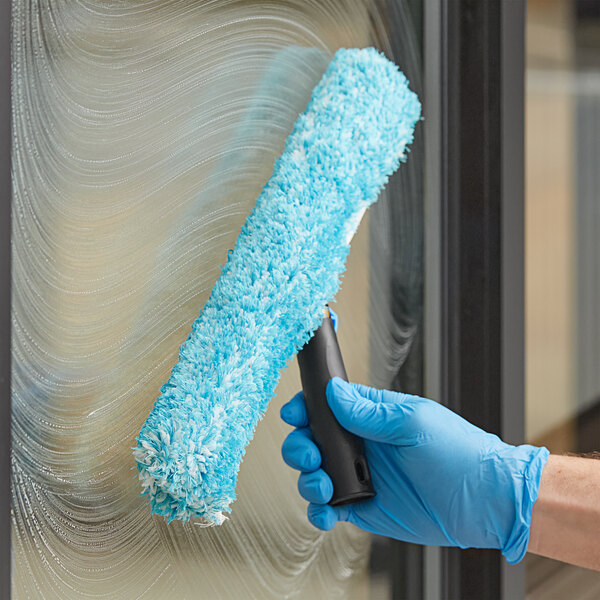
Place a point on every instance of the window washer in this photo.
(442, 481)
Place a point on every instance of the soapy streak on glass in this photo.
(143, 132)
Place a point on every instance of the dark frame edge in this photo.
(513, 246)
(5, 296)
(482, 241)
(432, 67)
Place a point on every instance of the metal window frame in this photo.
(474, 73)
(5, 296)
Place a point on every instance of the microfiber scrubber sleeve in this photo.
(268, 300)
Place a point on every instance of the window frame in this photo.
(478, 170)
(5, 295)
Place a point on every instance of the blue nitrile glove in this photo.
(439, 480)
(334, 318)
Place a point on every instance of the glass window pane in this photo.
(142, 135)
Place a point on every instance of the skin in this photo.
(566, 516)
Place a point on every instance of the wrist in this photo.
(528, 462)
(566, 518)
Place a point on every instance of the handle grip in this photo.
(342, 453)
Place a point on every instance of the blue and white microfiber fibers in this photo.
(269, 299)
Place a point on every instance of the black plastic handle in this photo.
(342, 453)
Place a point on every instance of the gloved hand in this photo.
(439, 480)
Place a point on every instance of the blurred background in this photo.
(562, 249)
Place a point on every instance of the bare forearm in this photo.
(566, 517)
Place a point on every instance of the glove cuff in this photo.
(525, 496)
